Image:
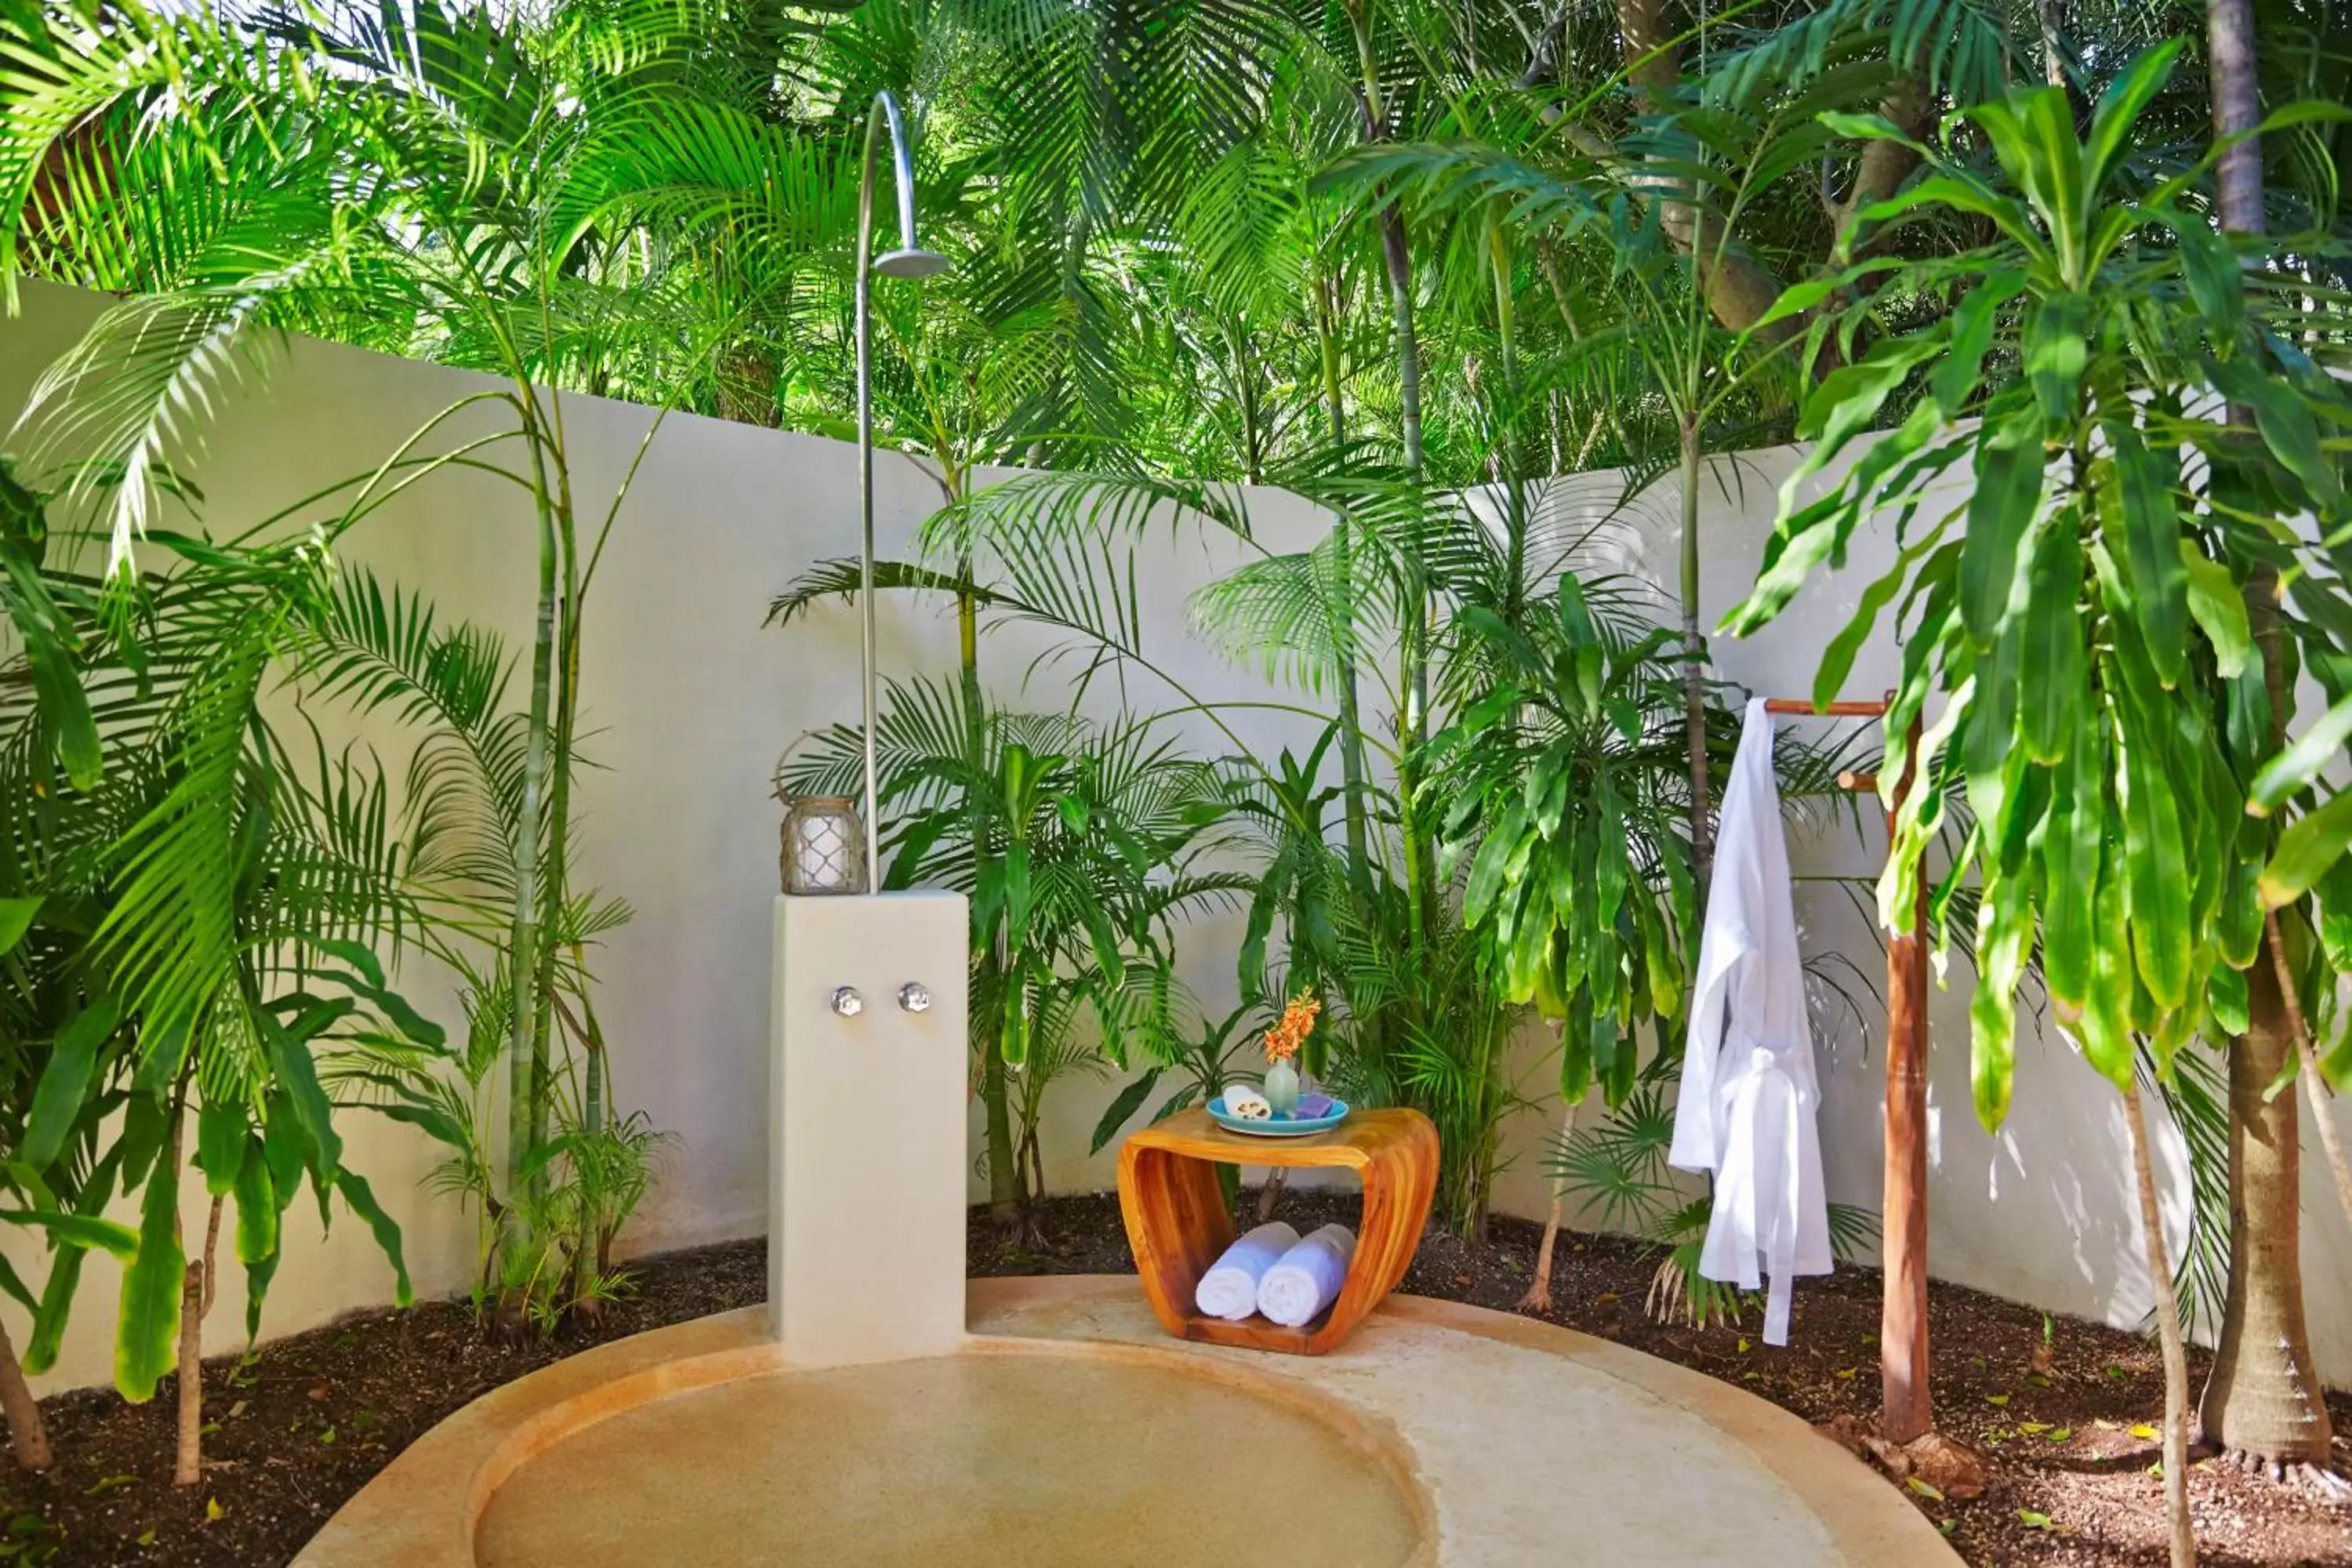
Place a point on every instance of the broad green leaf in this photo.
(1968, 195)
(1837, 660)
(2219, 610)
(259, 1275)
(2227, 995)
(1128, 1102)
(361, 1197)
(2298, 767)
(2104, 1026)
(2070, 860)
(2004, 937)
(15, 920)
(57, 1307)
(64, 1268)
(65, 1082)
(2056, 349)
(66, 723)
(80, 1230)
(2211, 273)
(298, 1075)
(2156, 873)
(258, 1206)
(2007, 494)
(1847, 402)
(220, 1145)
(2287, 425)
(2057, 690)
(2310, 845)
(1974, 320)
(2152, 548)
(2119, 110)
(2033, 135)
(1865, 128)
(147, 1326)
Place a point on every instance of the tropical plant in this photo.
(2109, 792)
(194, 925)
(545, 1224)
(1077, 844)
(437, 175)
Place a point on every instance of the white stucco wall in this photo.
(689, 700)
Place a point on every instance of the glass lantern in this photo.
(823, 842)
(824, 847)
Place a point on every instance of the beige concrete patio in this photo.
(1071, 1431)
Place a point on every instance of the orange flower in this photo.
(1290, 1032)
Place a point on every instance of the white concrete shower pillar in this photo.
(867, 1152)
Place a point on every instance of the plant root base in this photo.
(1949, 1466)
(2313, 1481)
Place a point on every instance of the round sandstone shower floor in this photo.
(974, 1460)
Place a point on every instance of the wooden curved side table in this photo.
(1178, 1223)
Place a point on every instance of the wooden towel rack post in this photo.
(1906, 1414)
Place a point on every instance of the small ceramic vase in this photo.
(1282, 1088)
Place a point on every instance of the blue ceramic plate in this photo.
(1317, 1113)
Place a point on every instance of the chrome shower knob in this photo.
(846, 1002)
(915, 997)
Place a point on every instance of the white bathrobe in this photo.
(1748, 1093)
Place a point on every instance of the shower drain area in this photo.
(1061, 1460)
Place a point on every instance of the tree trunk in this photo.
(2314, 1080)
(2049, 17)
(526, 1090)
(1269, 1196)
(1003, 1180)
(2263, 1401)
(195, 1300)
(2237, 109)
(26, 1434)
(1413, 636)
(1003, 1177)
(1702, 805)
(1738, 290)
(1538, 1295)
(593, 1244)
(2180, 1530)
(1352, 772)
(1885, 166)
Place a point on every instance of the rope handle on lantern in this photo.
(779, 789)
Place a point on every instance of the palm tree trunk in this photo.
(1003, 1180)
(1343, 632)
(1702, 804)
(2181, 1529)
(555, 866)
(27, 1435)
(525, 1091)
(1396, 256)
(196, 1300)
(2314, 1080)
(2263, 1401)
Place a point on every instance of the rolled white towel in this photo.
(1229, 1290)
(1307, 1277)
(1248, 1104)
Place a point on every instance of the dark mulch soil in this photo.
(302, 1427)
(310, 1419)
